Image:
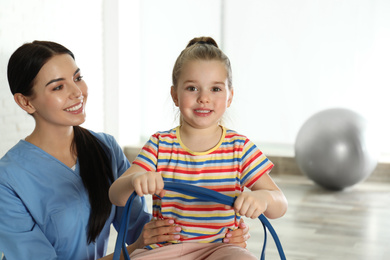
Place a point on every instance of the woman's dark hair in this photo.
(95, 169)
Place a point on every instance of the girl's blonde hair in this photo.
(201, 48)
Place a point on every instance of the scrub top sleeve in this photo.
(119, 161)
(138, 218)
(139, 215)
(122, 162)
(20, 238)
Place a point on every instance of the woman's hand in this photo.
(158, 231)
(239, 236)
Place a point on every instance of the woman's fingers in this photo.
(239, 236)
(160, 231)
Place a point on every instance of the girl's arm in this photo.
(136, 179)
(264, 197)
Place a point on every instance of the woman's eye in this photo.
(58, 87)
(79, 78)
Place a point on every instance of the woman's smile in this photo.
(78, 108)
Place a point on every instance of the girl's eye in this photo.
(79, 78)
(216, 89)
(191, 88)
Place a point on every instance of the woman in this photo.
(54, 184)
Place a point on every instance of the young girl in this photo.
(201, 152)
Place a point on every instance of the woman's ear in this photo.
(230, 98)
(24, 103)
(174, 96)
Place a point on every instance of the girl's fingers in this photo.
(162, 193)
(151, 185)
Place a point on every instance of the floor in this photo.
(352, 224)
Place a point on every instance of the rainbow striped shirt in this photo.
(230, 166)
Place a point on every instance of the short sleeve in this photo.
(253, 164)
(147, 158)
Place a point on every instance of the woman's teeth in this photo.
(74, 108)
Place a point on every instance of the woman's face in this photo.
(59, 93)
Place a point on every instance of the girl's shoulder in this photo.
(234, 135)
(170, 134)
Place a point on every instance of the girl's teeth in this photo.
(203, 111)
(74, 108)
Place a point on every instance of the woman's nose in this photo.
(76, 91)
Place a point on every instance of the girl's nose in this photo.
(203, 97)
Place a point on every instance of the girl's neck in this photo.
(200, 140)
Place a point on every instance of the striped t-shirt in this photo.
(234, 163)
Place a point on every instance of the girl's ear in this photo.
(174, 96)
(230, 99)
(24, 103)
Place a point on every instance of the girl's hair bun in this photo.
(203, 40)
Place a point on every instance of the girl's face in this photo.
(202, 93)
(60, 93)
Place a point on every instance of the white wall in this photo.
(166, 28)
(290, 59)
(75, 24)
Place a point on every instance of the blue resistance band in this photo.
(198, 192)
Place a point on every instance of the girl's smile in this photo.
(202, 112)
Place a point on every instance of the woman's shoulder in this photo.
(15, 156)
(17, 160)
(104, 137)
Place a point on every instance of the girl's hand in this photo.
(239, 236)
(148, 183)
(158, 231)
(250, 204)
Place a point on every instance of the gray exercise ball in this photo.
(336, 148)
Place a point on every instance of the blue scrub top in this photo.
(44, 207)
